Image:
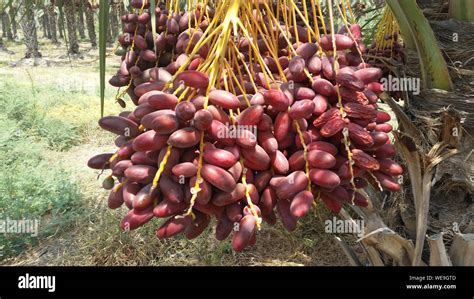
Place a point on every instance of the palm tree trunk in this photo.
(28, 26)
(122, 11)
(90, 25)
(4, 34)
(71, 26)
(6, 26)
(12, 12)
(114, 14)
(80, 20)
(9, 26)
(110, 40)
(60, 24)
(52, 23)
(46, 28)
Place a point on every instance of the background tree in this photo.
(60, 20)
(28, 25)
(13, 12)
(122, 11)
(4, 33)
(71, 23)
(46, 23)
(51, 10)
(114, 15)
(7, 29)
(89, 10)
(80, 19)
(110, 39)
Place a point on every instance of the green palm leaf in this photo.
(103, 24)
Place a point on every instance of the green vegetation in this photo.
(42, 116)
(30, 188)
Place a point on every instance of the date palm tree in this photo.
(69, 11)
(46, 23)
(89, 10)
(7, 28)
(13, 12)
(28, 26)
(114, 16)
(52, 22)
(80, 19)
(60, 20)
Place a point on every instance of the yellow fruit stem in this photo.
(161, 168)
(113, 157)
(345, 132)
(196, 23)
(245, 67)
(311, 32)
(306, 17)
(292, 50)
(297, 127)
(387, 26)
(295, 24)
(349, 6)
(272, 43)
(269, 44)
(168, 151)
(346, 24)
(241, 88)
(220, 46)
(201, 42)
(234, 17)
(247, 194)
(315, 20)
(323, 23)
(305, 152)
(178, 89)
(119, 185)
(266, 72)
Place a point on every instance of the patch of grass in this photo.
(61, 113)
(33, 120)
(31, 189)
(33, 186)
(42, 116)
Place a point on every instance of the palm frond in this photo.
(103, 24)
